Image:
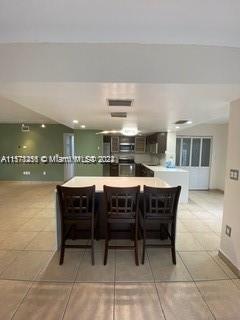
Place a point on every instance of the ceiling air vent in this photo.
(181, 121)
(119, 114)
(120, 102)
(25, 128)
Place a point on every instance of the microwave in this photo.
(126, 147)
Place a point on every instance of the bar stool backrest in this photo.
(122, 201)
(161, 202)
(76, 202)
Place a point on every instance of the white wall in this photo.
(219, 133)
(230, 246)
(171, 146)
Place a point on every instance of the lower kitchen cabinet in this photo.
(138, 170)
(142, 171)
(114, 169)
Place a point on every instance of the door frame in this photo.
(66, 165)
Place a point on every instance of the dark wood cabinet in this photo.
(159, 139)
(142, 171)
(138, 170)
(162, 142)
(114, 169)
(115, 144)
(140, 144)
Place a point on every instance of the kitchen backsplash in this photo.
(144, 157)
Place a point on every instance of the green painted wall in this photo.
(39, 141)
(88, 143)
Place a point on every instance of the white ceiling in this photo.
(61, 59)
(156, 106)
(12, 112)
(214, 22)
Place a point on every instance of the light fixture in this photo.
(75, 121)
(43, 125)
(83, 126)
(177, 127)
(24, 147)
(129, 131)
(189, 122)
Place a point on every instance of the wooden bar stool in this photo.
(160, 214)
(121, 207)
(77, 207)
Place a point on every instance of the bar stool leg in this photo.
(173, 244)
(173, 254)
(106, 244)
(61, 254)
(144, 244)
(92, 242)
(136, 244)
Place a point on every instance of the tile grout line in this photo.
(203, 298)
(41, 269)
(24, 297)
(78, 269)
(73, 284)
(155, 285)
(114, 285)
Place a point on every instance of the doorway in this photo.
(194, 155)
(68, 150)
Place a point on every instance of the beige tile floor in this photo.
(34, 286)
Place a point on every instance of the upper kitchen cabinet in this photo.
(115, 144)
(157, 143)
(140, 144)
(162, 142)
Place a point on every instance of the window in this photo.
(193, 151)
(205, 152)
(178, 151)
(186, 147)
(196, 145)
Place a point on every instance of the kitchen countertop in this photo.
(163, 169)
(99, 182)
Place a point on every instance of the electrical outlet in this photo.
(228, 231)
(234, 174)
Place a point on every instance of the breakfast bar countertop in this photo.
(99, 182)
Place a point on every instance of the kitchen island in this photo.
(174, 177)
(99, 182)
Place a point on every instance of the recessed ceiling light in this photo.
(24, 147)
(177, 127)
(189, 122)
(83, 126)
(75, 121)
(129, 131)
(43, 125)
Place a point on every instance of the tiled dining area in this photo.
(34, 286)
